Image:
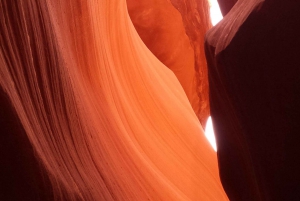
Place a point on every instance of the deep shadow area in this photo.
(255, 105)
(21, 175)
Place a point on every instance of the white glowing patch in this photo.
(215, 16)
(209, 133)
(215, 12)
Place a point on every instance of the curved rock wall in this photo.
(105, 117)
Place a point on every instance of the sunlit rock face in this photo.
(105, 118)
(253, 60)
(174, 31)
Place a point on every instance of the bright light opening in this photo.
(209, 133)
(215, 12)
(215, 16)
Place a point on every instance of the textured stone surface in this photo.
(104, 116)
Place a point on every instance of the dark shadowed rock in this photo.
(226, 5)
(255, 104)
(21, 175)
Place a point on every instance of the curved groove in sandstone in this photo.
(106, 118)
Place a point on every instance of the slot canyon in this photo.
(104, 100)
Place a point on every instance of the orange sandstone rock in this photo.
(105, 117)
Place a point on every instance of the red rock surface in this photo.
(106, 119)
